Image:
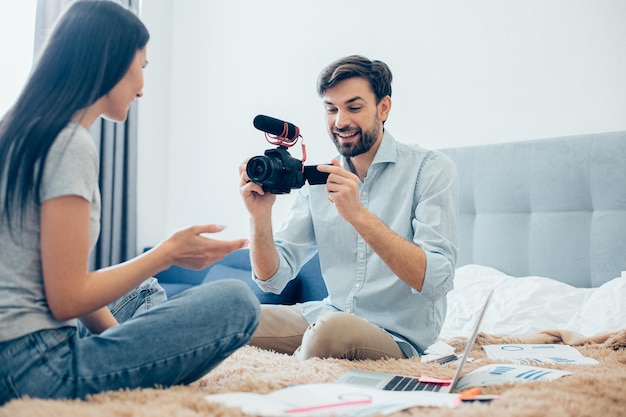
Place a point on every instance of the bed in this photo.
(542, 223)
(554, 208)
(550, 211)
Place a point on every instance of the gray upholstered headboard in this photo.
(549, 207)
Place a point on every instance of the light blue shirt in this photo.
(413, 191)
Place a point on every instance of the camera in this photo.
(277, 171)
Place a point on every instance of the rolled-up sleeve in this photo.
(295, 243)
(435, 223)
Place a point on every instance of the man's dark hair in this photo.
(376, 72)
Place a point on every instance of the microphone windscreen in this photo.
(276, 127)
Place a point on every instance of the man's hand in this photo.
(263, 255)
(257, 201)
(342, 189)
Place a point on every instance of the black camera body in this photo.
(278, 172)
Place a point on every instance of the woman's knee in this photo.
(232, 299)
(243, 299)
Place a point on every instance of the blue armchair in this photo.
(307, 286)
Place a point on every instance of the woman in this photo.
(49, 221)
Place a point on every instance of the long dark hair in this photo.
(88, 52)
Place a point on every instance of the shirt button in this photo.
(364, 193)
(357, 285)
(361, 255)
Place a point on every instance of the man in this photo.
(385, 228)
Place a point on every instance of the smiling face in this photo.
(117, 101)
(353, 119)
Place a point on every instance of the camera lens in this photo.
(260, 169)
(276, 171)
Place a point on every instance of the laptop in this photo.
(394, 382)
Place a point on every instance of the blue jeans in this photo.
(159, 342)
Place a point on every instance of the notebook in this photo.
(394, 382)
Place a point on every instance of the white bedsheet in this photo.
(531, 304)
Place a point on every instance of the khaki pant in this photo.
(336, 335)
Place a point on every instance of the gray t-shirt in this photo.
(71, 168)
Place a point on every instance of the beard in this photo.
(367, 139)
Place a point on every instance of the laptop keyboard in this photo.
(405, 383)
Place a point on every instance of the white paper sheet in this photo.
(437, 352)
(539, 353)
(504, 373)
(331, 399)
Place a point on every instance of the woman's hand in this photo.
(192, 248)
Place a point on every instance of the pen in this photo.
(329, 405)
(448, 359)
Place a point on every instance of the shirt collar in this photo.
(387, 150)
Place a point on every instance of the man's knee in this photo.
(330, 336)
(346, 336)
(280, 328)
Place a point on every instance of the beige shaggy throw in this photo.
(591, 390)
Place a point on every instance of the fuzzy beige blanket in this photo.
(591, 390)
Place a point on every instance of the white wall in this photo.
(17, 22)
(465, 73)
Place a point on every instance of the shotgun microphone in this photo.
(278, 128)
